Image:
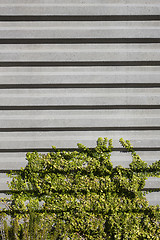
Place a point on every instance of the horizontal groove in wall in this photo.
(25, 150)
(14, 18)
(13, 170)
(64, 129)
(89, 107)
(45, 150)
(78, 40)
(79, 63)
(152, 189)
(144, 189)
(8, 171)
(82, 85)
(18, 170)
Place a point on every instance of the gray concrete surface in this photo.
(144, 139)
(5, 180)
(79, 52)
(80, 97)
(79, 118)
(153, 198)
(16, 160)
(80, 75)
(82, 29)
(79, 7)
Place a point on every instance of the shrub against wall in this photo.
(80, 195)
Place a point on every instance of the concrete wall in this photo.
(72, 71)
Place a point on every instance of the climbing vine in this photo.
(80, 195)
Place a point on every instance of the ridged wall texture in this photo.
(72, 71)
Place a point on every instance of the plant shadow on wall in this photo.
(80, 195)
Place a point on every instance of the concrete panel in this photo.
(79, 7)
(80, 75)
(69, 139)
(12, 160)
(80, 97)
(149, 156)
(125, 158)
(16, 160)
(80, 118)
(82, 29)
(153, 198)
(5, 180)
(152, 182)
(79, 52)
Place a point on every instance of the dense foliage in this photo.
(80, 195)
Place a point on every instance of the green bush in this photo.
(80, 195)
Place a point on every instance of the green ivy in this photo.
(80, 195)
